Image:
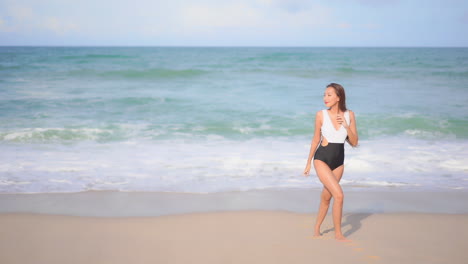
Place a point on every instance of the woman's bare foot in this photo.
(342, 238)
(317, 232)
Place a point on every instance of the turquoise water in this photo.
(219, 119)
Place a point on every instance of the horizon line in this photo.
(220, 46)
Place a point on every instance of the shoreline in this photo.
(144, 204)
(233, 237)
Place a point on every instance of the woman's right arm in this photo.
(315, 141)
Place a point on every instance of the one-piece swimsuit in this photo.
(332, 153)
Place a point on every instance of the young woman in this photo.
(333, 126)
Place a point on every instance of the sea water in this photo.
(208, 119)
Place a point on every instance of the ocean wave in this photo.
(97, 56)
(270, 57)
(57, 135)
(155, 126)
(462, 74)
(155, 73)
(40, 104)
(12, 67)
(8, 182)
(221, 165)
(313, 73)
(143, 100)
(370, 183)
(417, 126)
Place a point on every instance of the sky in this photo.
(342, 23)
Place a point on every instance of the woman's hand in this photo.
(307, 170)
(342, 121)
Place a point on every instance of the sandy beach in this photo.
(233, 237)
(269, 226)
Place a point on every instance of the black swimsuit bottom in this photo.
(332, 154)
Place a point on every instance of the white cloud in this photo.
(163, 18)
(344, 25)
(3, 27)
(289, 5)
(379, 3)
(18, 18)
(58, 26)
(314, 17)
(226, 22)
(208, 17)
(24, 19)
(20, 13)
(369, 3)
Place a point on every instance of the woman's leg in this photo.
(330, 182)
(325, 198)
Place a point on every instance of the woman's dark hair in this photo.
(339, 90)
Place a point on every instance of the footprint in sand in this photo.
(321, 237)
(360, 250)
(372, 258)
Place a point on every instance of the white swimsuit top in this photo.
(330, 133)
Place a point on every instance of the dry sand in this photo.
(233, 237)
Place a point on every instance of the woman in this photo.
(333, 126)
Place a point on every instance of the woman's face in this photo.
(329, 97)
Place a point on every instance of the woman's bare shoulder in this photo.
(319, 116)
(352, 118)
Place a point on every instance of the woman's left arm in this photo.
(352, 129)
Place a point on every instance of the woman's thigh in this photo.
(330, 179)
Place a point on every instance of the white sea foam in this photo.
(54, 133)
(8, 182)
(420, 133)
(220, 164)
(60, 181)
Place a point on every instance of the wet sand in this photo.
(128, 204)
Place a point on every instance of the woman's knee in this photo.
(339, 197)
(326, 198)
